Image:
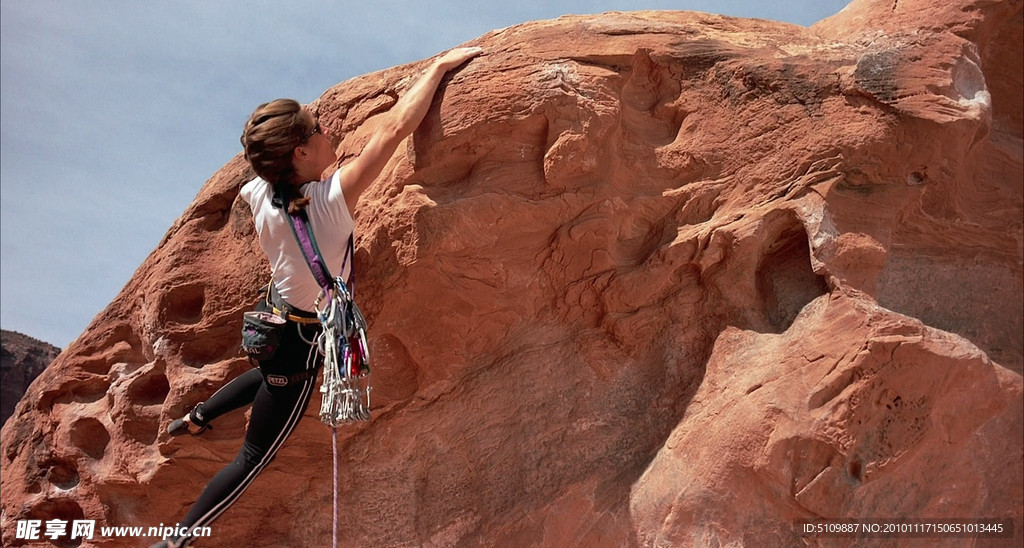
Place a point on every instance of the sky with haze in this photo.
(115, 113)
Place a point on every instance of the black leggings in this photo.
(276, 411)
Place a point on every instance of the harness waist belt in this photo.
(292, 317)
(281, 308)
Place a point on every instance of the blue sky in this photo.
(115, 113)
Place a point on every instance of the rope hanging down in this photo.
(345, 391)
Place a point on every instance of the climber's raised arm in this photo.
(399, 123)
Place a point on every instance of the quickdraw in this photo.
(342, 341)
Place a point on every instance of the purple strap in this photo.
(307, 242)
(302, 234)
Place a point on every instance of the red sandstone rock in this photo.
(656, 279)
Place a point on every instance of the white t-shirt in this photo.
(330, 221)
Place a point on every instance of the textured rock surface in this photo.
(658, 279)
(22, 359)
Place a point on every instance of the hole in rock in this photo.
(86, 391)
(184, 304)
(855, 469)
(785, 280)
(89, 435)
(62, 474)
(216, 220)
(64, 509)
(917, 178)
(149, 389)
(216, 209)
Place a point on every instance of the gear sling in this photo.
(343, 338)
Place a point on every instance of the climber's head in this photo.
(283, 142)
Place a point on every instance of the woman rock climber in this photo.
(290, 152)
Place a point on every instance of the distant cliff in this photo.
(22, 359)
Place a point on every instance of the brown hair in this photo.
(273, 131)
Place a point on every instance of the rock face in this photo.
(641, 279)
(22, 359)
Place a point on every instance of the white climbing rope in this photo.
(334, 447)
(346, 387)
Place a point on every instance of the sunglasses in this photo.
(312, 132)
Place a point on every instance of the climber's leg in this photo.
(276, 412)
(233, 395)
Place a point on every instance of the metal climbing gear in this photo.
(342, 341)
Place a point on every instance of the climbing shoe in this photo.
(184, 425)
